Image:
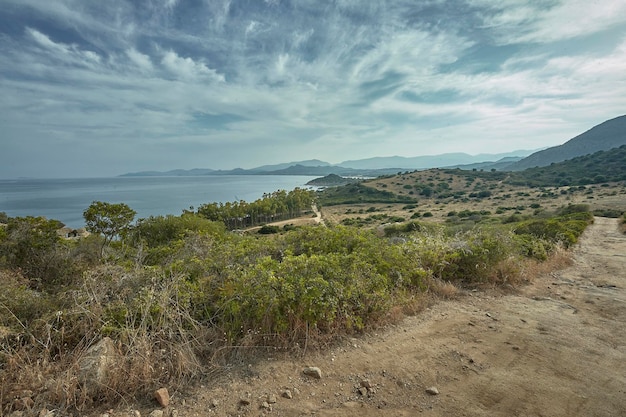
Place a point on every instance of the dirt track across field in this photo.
(556, 348)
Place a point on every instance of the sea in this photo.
(66, 199)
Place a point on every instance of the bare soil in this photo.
(556, 347)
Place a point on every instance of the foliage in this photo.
(183, 292)
(596, 168)
(161, 230)
(32, 246)
(268, 229)
(109, 220)
(564, 229)
(279, 205)
(358, 193)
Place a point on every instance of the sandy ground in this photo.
(555, 348)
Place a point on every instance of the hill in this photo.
(608, 135)
(595, 168)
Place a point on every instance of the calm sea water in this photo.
(66, 199)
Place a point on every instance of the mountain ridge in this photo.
(381, 165)
(602, 137)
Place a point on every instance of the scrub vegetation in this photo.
(183, 296)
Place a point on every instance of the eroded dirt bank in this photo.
(558, 348)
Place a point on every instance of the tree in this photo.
(109, 220)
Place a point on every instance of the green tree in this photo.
(109, 220)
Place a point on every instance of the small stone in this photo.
(312, 371)
(174, 413)
(265, 405)
(365, 383)
(162, 396)
(214, 403)
(136, 413)
(432, 391)
(271, 399)
(362, 391)
(287, 394)
(156, 413)
(244, 401)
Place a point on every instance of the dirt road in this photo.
(557, 348)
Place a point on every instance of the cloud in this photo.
(187, 68)
(542, 21)
(71, 54)
(327, 79)
(140, 60)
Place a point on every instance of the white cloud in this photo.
(70, 54)
(517, 21)
(140, 60)
(46, 42)
(187, 68)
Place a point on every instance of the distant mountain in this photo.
(595, 168)
(430, 161)
(608, 135)
(499, 165)
(309, 163)
(371, 167)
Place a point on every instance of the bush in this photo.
(556, 230)
(268, 229)
(32, 246)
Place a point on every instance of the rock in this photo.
(432, 391)
(244, 401)
(174, 413)
(365, 383)
(162, 396)
(362, 391)
(287, 394)
(214, 403)
(312, 371)
(96, 366)
(271, 399)
(156, 413)
(265, 405)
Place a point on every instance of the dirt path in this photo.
(556, 349)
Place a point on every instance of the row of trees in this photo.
(279, 205)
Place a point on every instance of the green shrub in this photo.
(268, 229)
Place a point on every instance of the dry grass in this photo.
(511, 197)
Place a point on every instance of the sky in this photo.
(92, 88)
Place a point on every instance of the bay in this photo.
(66, 199)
